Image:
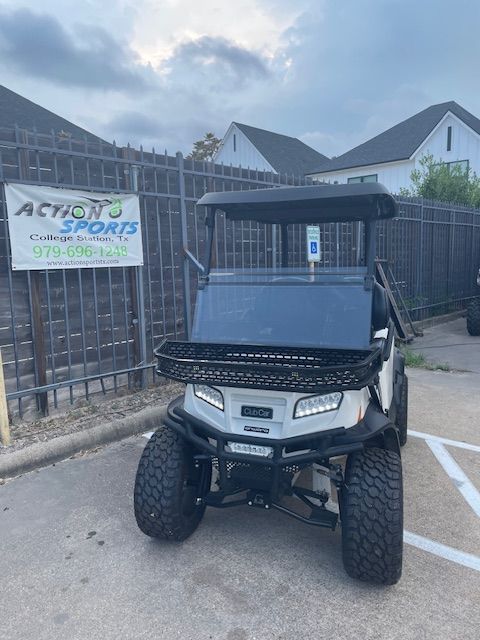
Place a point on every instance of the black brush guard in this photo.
(270, 474)
(299, 369)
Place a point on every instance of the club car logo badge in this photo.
(265, 413)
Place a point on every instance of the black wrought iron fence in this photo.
(67, 334)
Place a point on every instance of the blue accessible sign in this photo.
(313, 244)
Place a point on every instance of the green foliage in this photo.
(418, 360)
(206, 148)
(439, 181)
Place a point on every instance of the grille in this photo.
(305, 370)
(256, 476)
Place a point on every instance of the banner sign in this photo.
(313, 244)
(55, 228)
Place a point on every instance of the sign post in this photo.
(4, 423)
(313, 247)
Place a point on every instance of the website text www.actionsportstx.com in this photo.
(58, 264)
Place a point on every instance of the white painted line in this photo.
(148, 435)
(460, 480)
(442, 550)
(449, 443)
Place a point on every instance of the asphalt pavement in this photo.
(449, 343)
(73, 564)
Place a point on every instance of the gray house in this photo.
(17, 110)
(248, 146)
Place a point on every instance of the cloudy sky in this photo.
(163, 72)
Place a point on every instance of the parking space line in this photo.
(442, 550)
(447, 441)
(457, 475)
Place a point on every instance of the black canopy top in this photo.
(317, 203)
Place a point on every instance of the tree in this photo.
(442, 181)
(206, 148)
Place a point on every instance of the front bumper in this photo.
(288, 452)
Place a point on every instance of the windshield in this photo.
(287, 307)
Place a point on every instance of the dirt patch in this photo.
(87, 414)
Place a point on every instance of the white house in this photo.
(264, 150)
(447, 131)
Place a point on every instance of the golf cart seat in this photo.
(380, 308)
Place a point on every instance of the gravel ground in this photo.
(85, 415)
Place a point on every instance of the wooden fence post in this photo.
(4, 422)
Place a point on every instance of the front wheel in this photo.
(371, 510)
(473, 317)
(167, 486)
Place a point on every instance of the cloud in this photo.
(357, 68)
(333, 74)
(40, 47)
(215, 61)
(135, 125)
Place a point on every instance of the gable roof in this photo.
(401, 141)
(17, 110)
(285, 154)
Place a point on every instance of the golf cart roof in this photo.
(316, 203)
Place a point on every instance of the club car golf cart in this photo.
(473, 313)
(296, 397)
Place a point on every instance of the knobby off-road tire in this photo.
(371, 504)
(167, 486)
(473, 317)
(402, 414)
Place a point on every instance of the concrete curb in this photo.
(429, 323)
(42, 454)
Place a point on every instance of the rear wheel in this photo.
(371, 509)
(402, 414)
(167, 486)
(473, 317)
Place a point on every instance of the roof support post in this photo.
(370, 245)
(210, 226)
(284, 228)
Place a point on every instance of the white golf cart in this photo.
(296, 397)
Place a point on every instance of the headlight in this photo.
(317, 404)
(210, 395)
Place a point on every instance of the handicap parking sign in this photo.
(313, 244)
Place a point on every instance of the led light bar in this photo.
(317, 404)
(251, 449)
(210, 395)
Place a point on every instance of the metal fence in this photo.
(66, 335)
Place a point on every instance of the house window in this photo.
(371, 178)
(463, 164)
(449, 138)
(234, 142)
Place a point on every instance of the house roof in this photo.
(17, 110)
(285, 154)
(401, 141)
